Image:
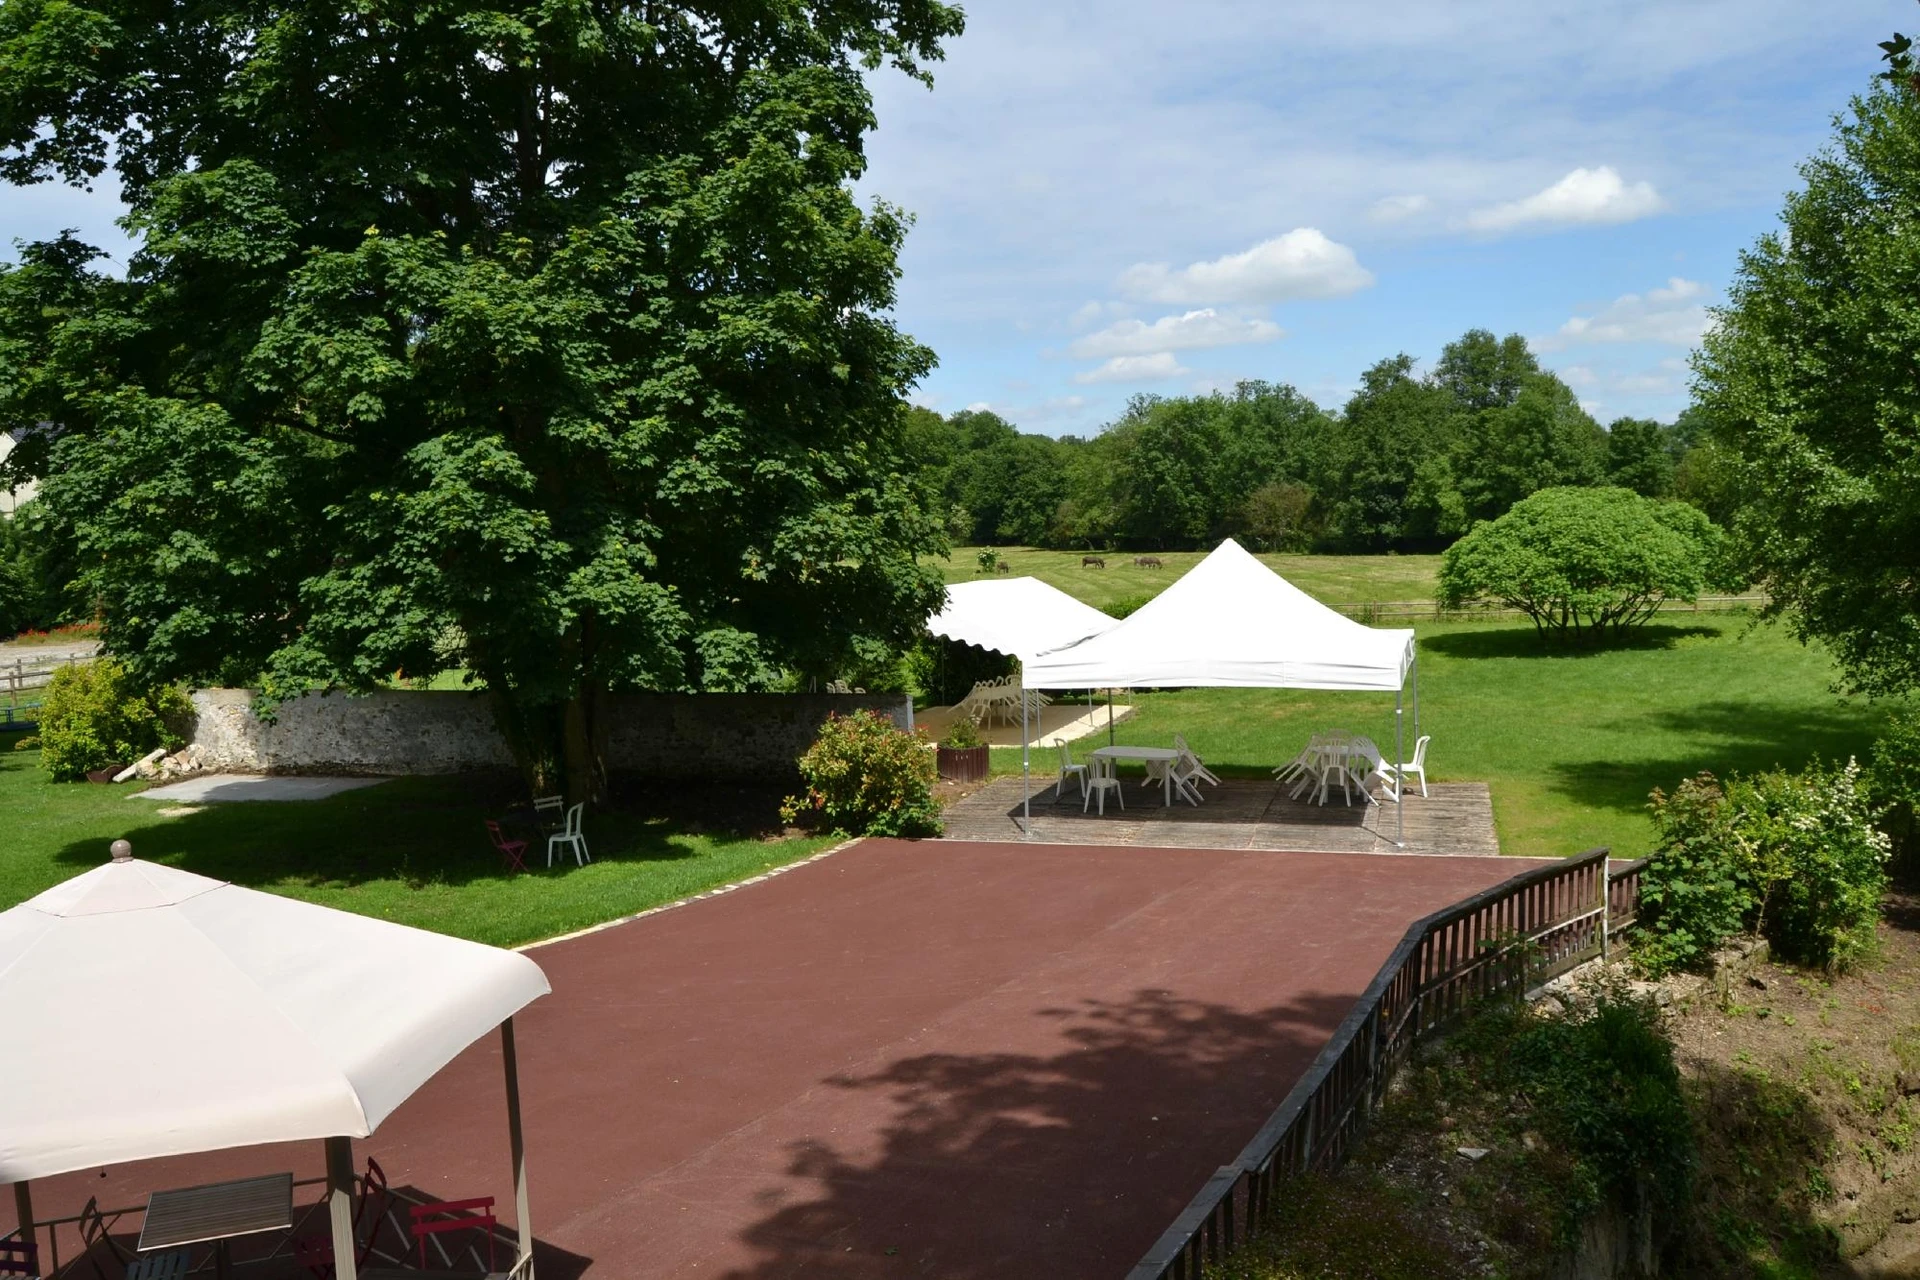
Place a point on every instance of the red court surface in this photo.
(932, 1059)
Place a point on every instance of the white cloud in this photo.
(1192, 331)
(1399, 208)
(1583, 196)
(1675, 314)
(1303, 263)
(1154, 368)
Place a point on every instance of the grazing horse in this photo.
(1092, 562)
(1146, 562)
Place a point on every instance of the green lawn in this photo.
(411, 850)
(1334, 579)
(1571, 743)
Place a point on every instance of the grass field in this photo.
(1570, 743)
(1334, 579)
(411, 850)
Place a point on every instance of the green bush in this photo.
(96, 714)
(1794, 857)
(1584, 563)
(1893, 783)
(1126, 606)
(866, 777)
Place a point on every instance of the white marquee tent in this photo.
(179, 1014)
(1231, 622)
(1018, 616)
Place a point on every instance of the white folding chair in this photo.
(1183, 773)
(572, 837)
(1196, 765)
(1104, 776)
(1069, 769)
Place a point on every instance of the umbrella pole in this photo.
(340, 1208)
(516, 1144)
(1416, 696)
(23, 1210)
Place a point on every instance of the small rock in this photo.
(1908, 1082)
(1755, 980)
(1473, 1153)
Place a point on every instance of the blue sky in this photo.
(1123, 197)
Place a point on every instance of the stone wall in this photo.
(700, 735)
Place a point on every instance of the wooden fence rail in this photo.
(1371, 611)
(20, 678)
(1504, 940)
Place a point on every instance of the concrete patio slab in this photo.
(223, 788)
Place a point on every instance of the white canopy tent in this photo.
(1231, 622)
(1018, 616)
(256, 1019)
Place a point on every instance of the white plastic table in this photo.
(1164, 755)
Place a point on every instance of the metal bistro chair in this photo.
(512, 852)
(19, 1257)
(96, 1237)
(550, 811)
(452, 1215)
(572, 838)
(315, 1253)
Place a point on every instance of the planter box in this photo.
(963, 764)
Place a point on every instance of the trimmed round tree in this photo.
(1582, 563)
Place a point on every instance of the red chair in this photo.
(453, 1215)
(19, 1257)
(315, 1253)
(512, 852)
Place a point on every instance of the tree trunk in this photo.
(584, 747)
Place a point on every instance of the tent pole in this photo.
(23, 1210)
(1399, 779)
(1026, 775)
(340, 1207)
(1416, 693)
(516, 1144)
(1109, 717)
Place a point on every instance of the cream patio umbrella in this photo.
(254, 1019)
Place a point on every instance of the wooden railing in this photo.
(1505, 940)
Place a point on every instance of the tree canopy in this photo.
(544, 341)
(1584, 564)
(1810, 388)
(1408, 463)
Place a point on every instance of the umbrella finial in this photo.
(122, 850)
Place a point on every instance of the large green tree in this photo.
(1810, 385)
(545, 340)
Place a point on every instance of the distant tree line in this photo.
(1410, 463)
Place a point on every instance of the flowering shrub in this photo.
(96, 715)
(1794, 857)
(865, 776)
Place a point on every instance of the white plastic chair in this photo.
(1197, 766)
(1416, 767)
(1101, 778)
(1184, 771)
(1069, 769)
(571, 837)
